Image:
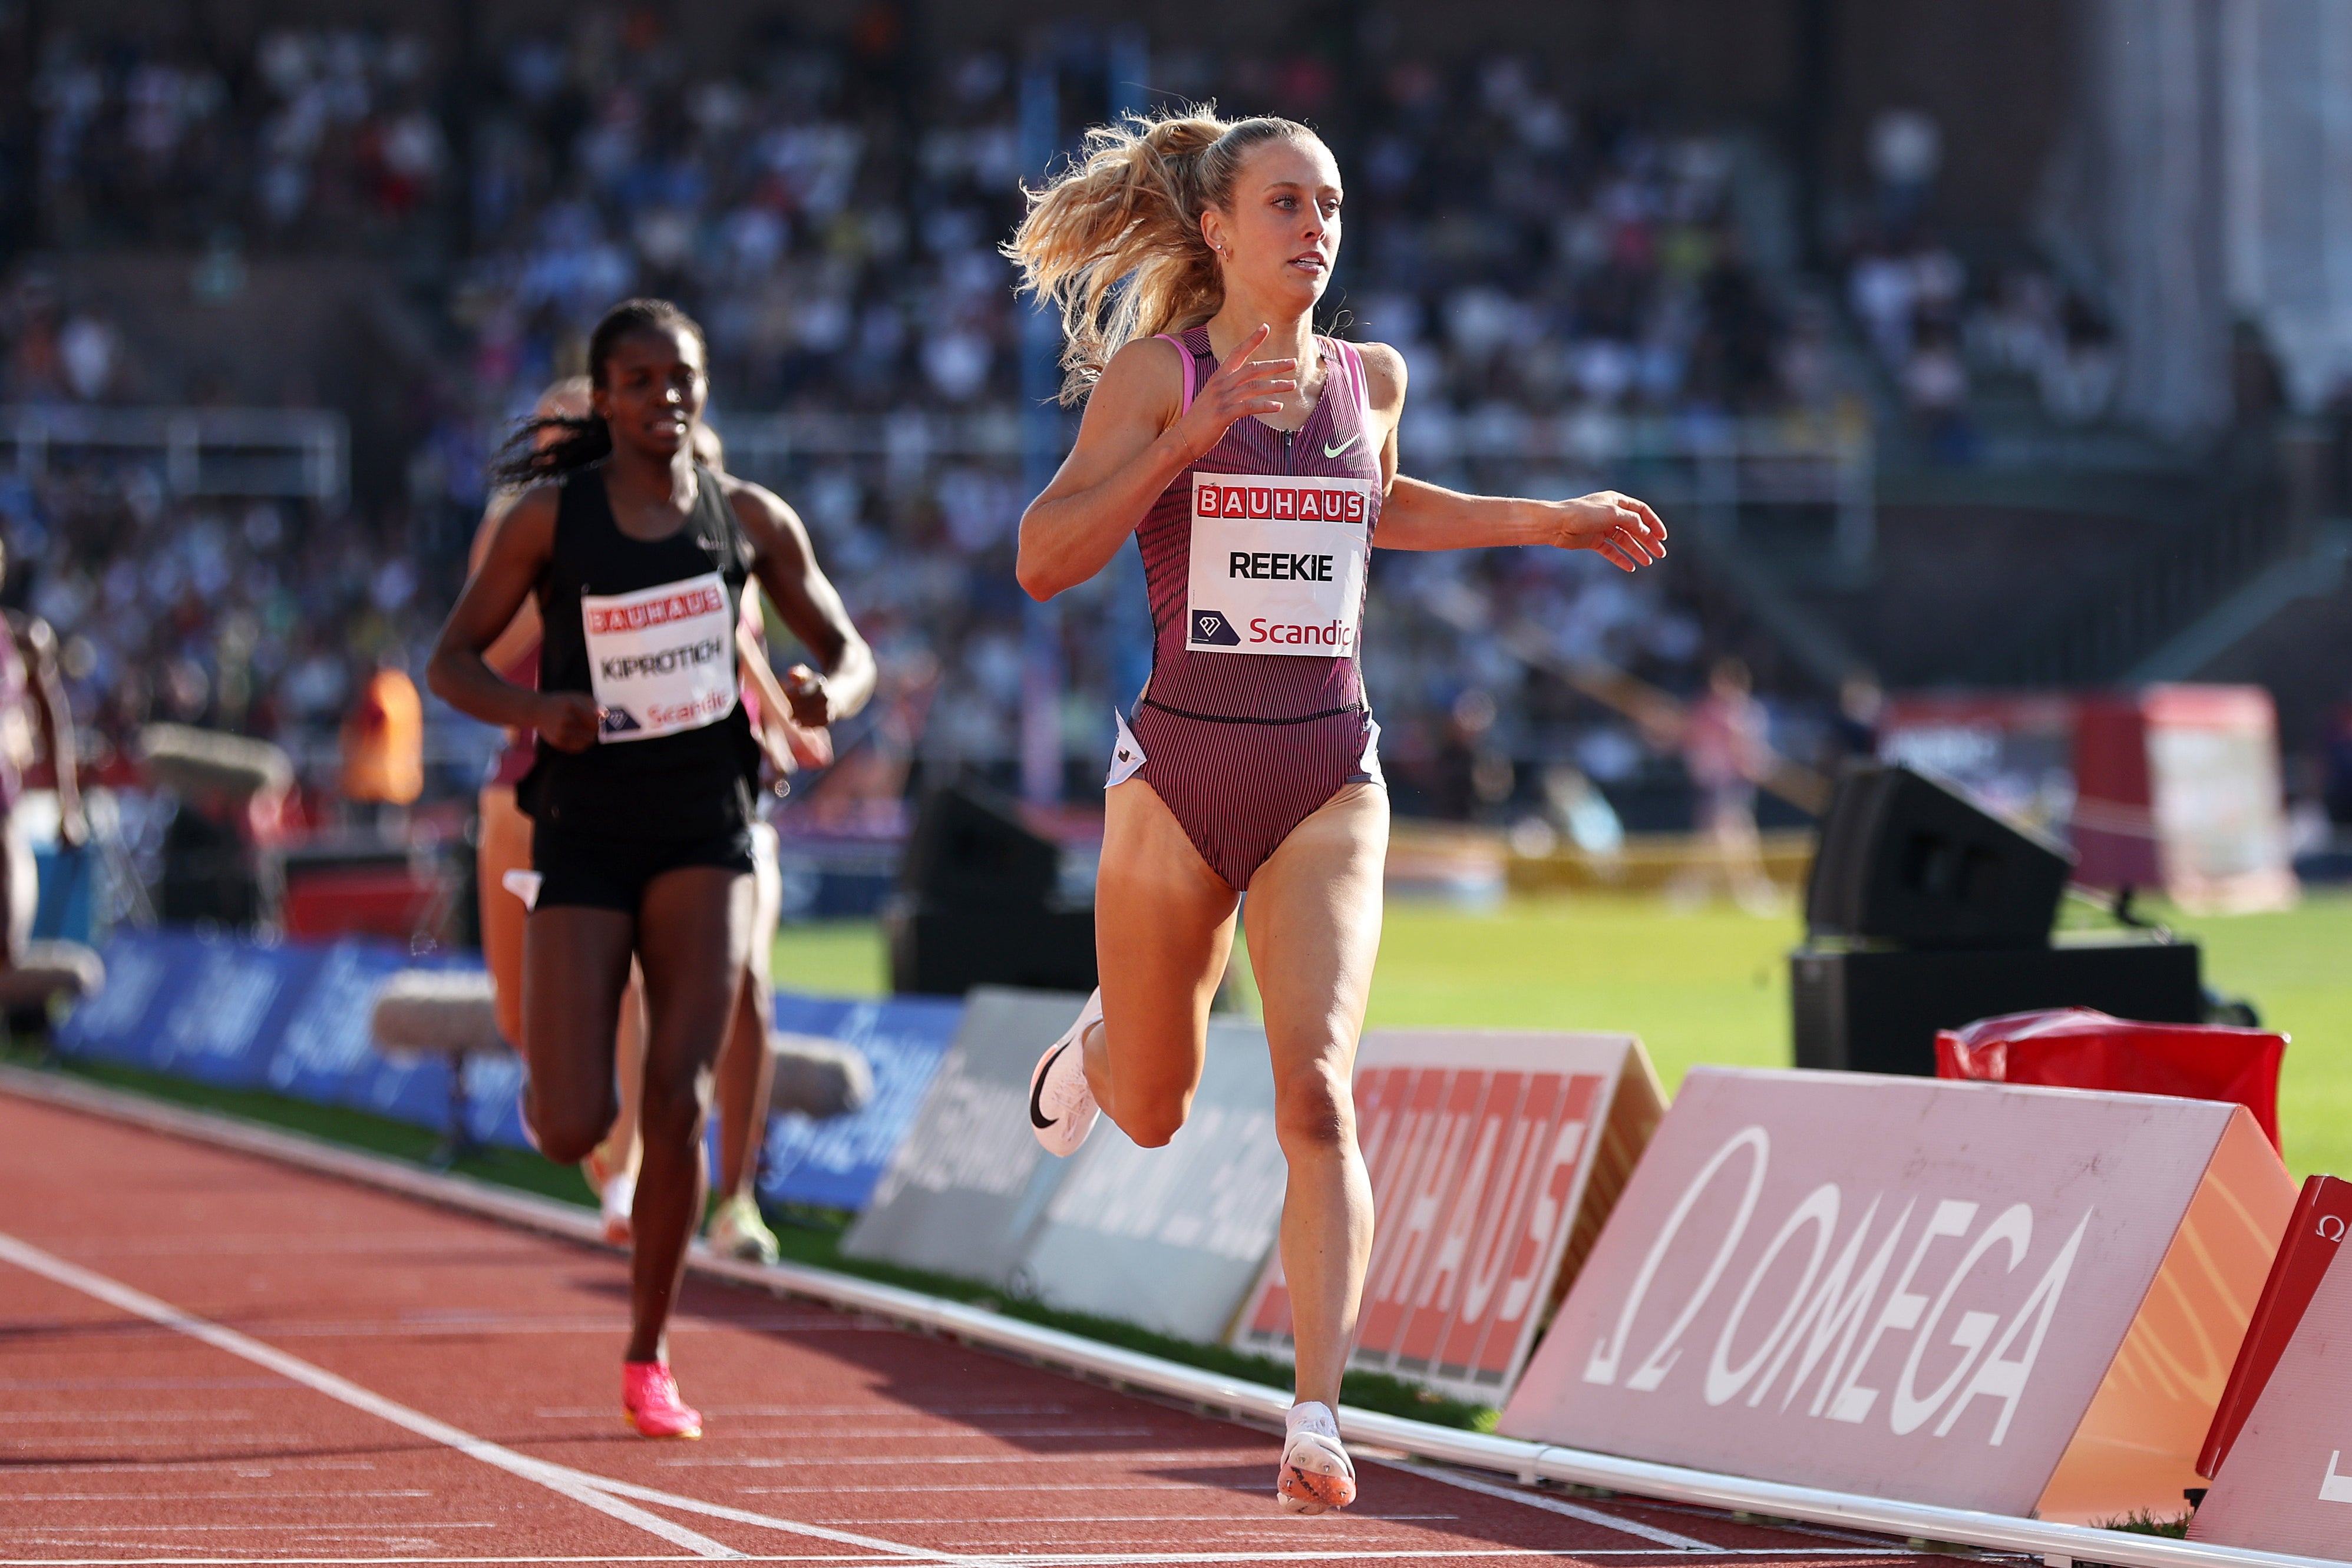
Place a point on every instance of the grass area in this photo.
(1712, 984)
(811, 1237)
(833, 958)
(2140, 1522)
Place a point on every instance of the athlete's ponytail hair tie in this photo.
(1114, 240)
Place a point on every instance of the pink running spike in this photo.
(649, 1402)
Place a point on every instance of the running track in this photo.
(206, 1356)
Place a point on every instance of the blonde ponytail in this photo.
(1114, 242)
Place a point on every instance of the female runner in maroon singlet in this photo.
(1254, 461)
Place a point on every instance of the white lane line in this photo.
(176, 1439)
(556, 1479)
(366, 1561)
(255, 1468)
(1227, 1457)
(293, 1245)
(307, 1530)
(1271, 1522)
(1024, 1560)
(272, 1498)
(939, 1433)
(18, 1418)
(895, 1412)
(1556, 1505)
(768, 1521)
(139, 1384)
(899, 1491)
(603, 1493)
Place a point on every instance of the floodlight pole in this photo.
(1041, 433)
(1127, 613)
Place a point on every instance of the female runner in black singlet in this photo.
(642, 787)
(1256, 464)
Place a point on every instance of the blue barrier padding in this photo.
(292, 1018)
(67, 904)
(834, 1164)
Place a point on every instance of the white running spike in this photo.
(1062, 1108)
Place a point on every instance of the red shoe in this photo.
(649, 1402)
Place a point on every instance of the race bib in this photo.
(1277, 564)
(662, 659)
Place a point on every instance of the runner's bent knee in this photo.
(1156, 1121)
(1313, 1110)
(568, 1127)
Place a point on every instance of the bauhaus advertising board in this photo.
(2019, 1300)
(1493, 1157)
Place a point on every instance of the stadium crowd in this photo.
(831, 215)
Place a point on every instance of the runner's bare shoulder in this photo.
(763, 512)
(1385, 375)
(527, 525)
(1147, 376)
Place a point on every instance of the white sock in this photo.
(1310, 1416)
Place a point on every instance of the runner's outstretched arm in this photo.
(786, 567)
(1419, 515)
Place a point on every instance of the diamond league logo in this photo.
(1211, 626)
(617, 720)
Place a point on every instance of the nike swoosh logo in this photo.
(1038, 1117)
(1330, 451)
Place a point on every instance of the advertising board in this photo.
(1494, 1158)
(1987, 1296)
(2286, 1484)
(968, 1183)
(1171, 1238)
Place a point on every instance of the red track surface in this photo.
(833, 1438)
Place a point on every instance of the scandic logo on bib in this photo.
(1304, 502)
(699, 600)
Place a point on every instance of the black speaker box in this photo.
(977, 903)
(970, 847)
(946, 952)
(1878, 1012)
(1906, 857)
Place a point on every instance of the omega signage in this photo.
(2019, 1300)
(1493, 1157)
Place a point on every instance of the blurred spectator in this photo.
(1852, 734)
(384, 742)
(1562, 280)
(2335, 791)
(1725, 747)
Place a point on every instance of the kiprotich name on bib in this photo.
(662, 659)
(1277, 564)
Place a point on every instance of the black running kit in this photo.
(645, 627)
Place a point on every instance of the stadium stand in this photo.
(1574, 290)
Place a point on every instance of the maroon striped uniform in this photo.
(1243, 747)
